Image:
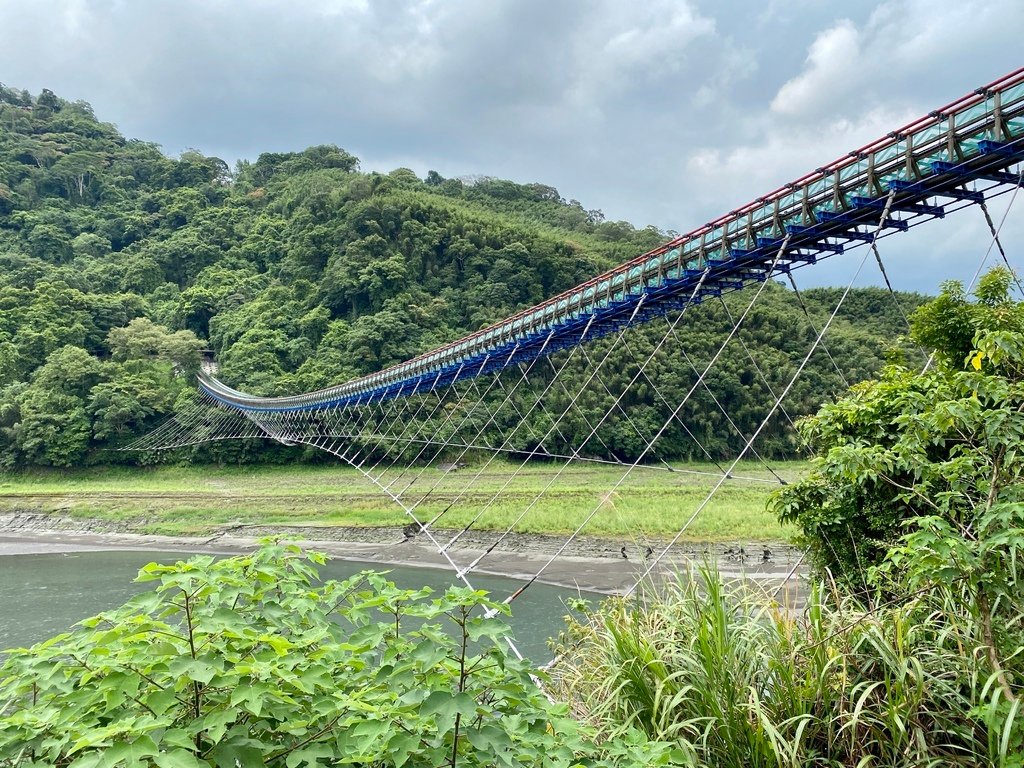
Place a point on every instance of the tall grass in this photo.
(197, 500)
(736, 680)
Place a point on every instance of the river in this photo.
(44, 594)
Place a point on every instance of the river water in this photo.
(44, 594)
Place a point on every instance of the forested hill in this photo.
(118, 265)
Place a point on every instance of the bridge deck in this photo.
(916, 173)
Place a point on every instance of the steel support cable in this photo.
(181, 424)
(280, 424)
(153, 437)
(999, 243)
(332, 418)
(364, 436)
(753, 362)
(260, 422)
(594, 430)
(387, 412)
(577, 458)
(878, 260)
(168, 432)
(273, 422)
(506, 443)
(524, 419)
(313, 422)
(565, 411)
(224, 422)
(617, 404)
(328, 418)
(450, 395)
(372, 425)
(377, 416)
(265, 424)
(185, 428)
(363, 416)
(458, 403)
(476, 436)
(418, 435)
(587, 518)
(534, 452)
(252, 432)
(814, 330)
(680, 421)
(405, 419)
(593, 460)
(490, 415)
(988, 251)
(205, 431)
(466, 416)
(977, 273)
(458, 410)
(454, 566)
(789, 575)
(192, 433)
(310, 422)
(723, 410)
(392, 448)
(231, 427)
(653, 563)
(396, 420)
(353, 448)
(415, 424)
(523, 377)
(561, 469)
(355, 445)
(612, 458)
(582, 414)
(995, 234)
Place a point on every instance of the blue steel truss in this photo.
(954, 157)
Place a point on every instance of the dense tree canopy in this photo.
(119, 265)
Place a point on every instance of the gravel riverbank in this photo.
(587, 563)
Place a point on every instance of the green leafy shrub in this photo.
(913, 449)
(249, 661)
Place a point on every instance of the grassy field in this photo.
(197, 500)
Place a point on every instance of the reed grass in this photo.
(734, 679)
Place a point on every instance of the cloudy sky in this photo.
(664, 112)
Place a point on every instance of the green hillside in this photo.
(119, 265)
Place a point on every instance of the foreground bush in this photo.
(736, 681)
(913, 513)
(249, 661)
(938, 452)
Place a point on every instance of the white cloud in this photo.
(668, 111)
(730, 177)
(622, 46)
(832, 62)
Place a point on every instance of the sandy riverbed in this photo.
(587, 563)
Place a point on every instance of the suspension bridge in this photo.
(510, 389)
